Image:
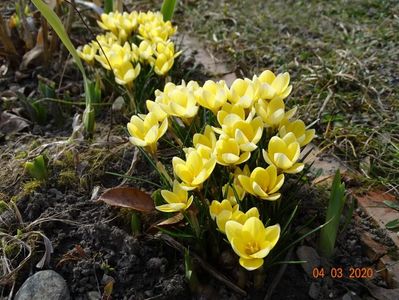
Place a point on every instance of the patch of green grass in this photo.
(342, 57)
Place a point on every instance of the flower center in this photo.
(251, 248)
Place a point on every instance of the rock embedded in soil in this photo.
(44, 285)
(311, 257)
(314, 290)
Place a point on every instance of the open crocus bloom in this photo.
(298, 128)
(284, 153)
(251, 241)
(236, 215)
(195, 170)
(125, 73)
(177, 200)
(242, 92)
(213, 95)
(206, 140)
(273, 112)
(217, 207)
(178, 100)
(263, 183)
(145, 130)
(227, 152)
(247, 133)
(269, 86)
(88, 51)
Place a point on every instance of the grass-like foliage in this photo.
(90, 91)
(328, 233)
(237, 146)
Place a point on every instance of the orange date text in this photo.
(339, 272)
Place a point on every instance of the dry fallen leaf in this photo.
(10, 123)
(172, 220)
(128, 197)
(35, 54)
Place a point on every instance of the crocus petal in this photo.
(251, 264)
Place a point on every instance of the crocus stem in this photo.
(242, 278)
(132, 100)
(193, 221)
(161, 169)
(259, 278)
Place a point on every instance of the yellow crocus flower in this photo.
(251, 241)
(298, 128)
(127, 22)
(165, 57)
(109, 22)
(195, 170)
(88, 52)
(106, 40)
(225, 211)
(212, 95)
(178, 100)
(246, 133)
(269, 86)
(125, 73)
(217, 207)
(242, 92)
(233, 214)
(155, 108)
(230, 112)
(177, 200)
(227, 152)
(284, 153)
(146, 51)
(163, 64)
(273, 112)
(146, 130)
(263, 183)
(206, 140)
(115, 56)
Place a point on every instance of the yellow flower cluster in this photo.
(117, 50)
(248, 113)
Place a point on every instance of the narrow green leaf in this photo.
(392, 204)
(168, 8)
(58, 27)
(394, 224)
(108, 6)
(328, 234)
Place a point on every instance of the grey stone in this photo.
(311, 257)
(93, 295)
(44, 285)
(314, 290)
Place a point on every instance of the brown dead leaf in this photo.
(48, 250)
(128, 197)
(35, 54)
(10, 123)
(172, 220)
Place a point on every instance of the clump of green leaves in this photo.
(37, 168)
